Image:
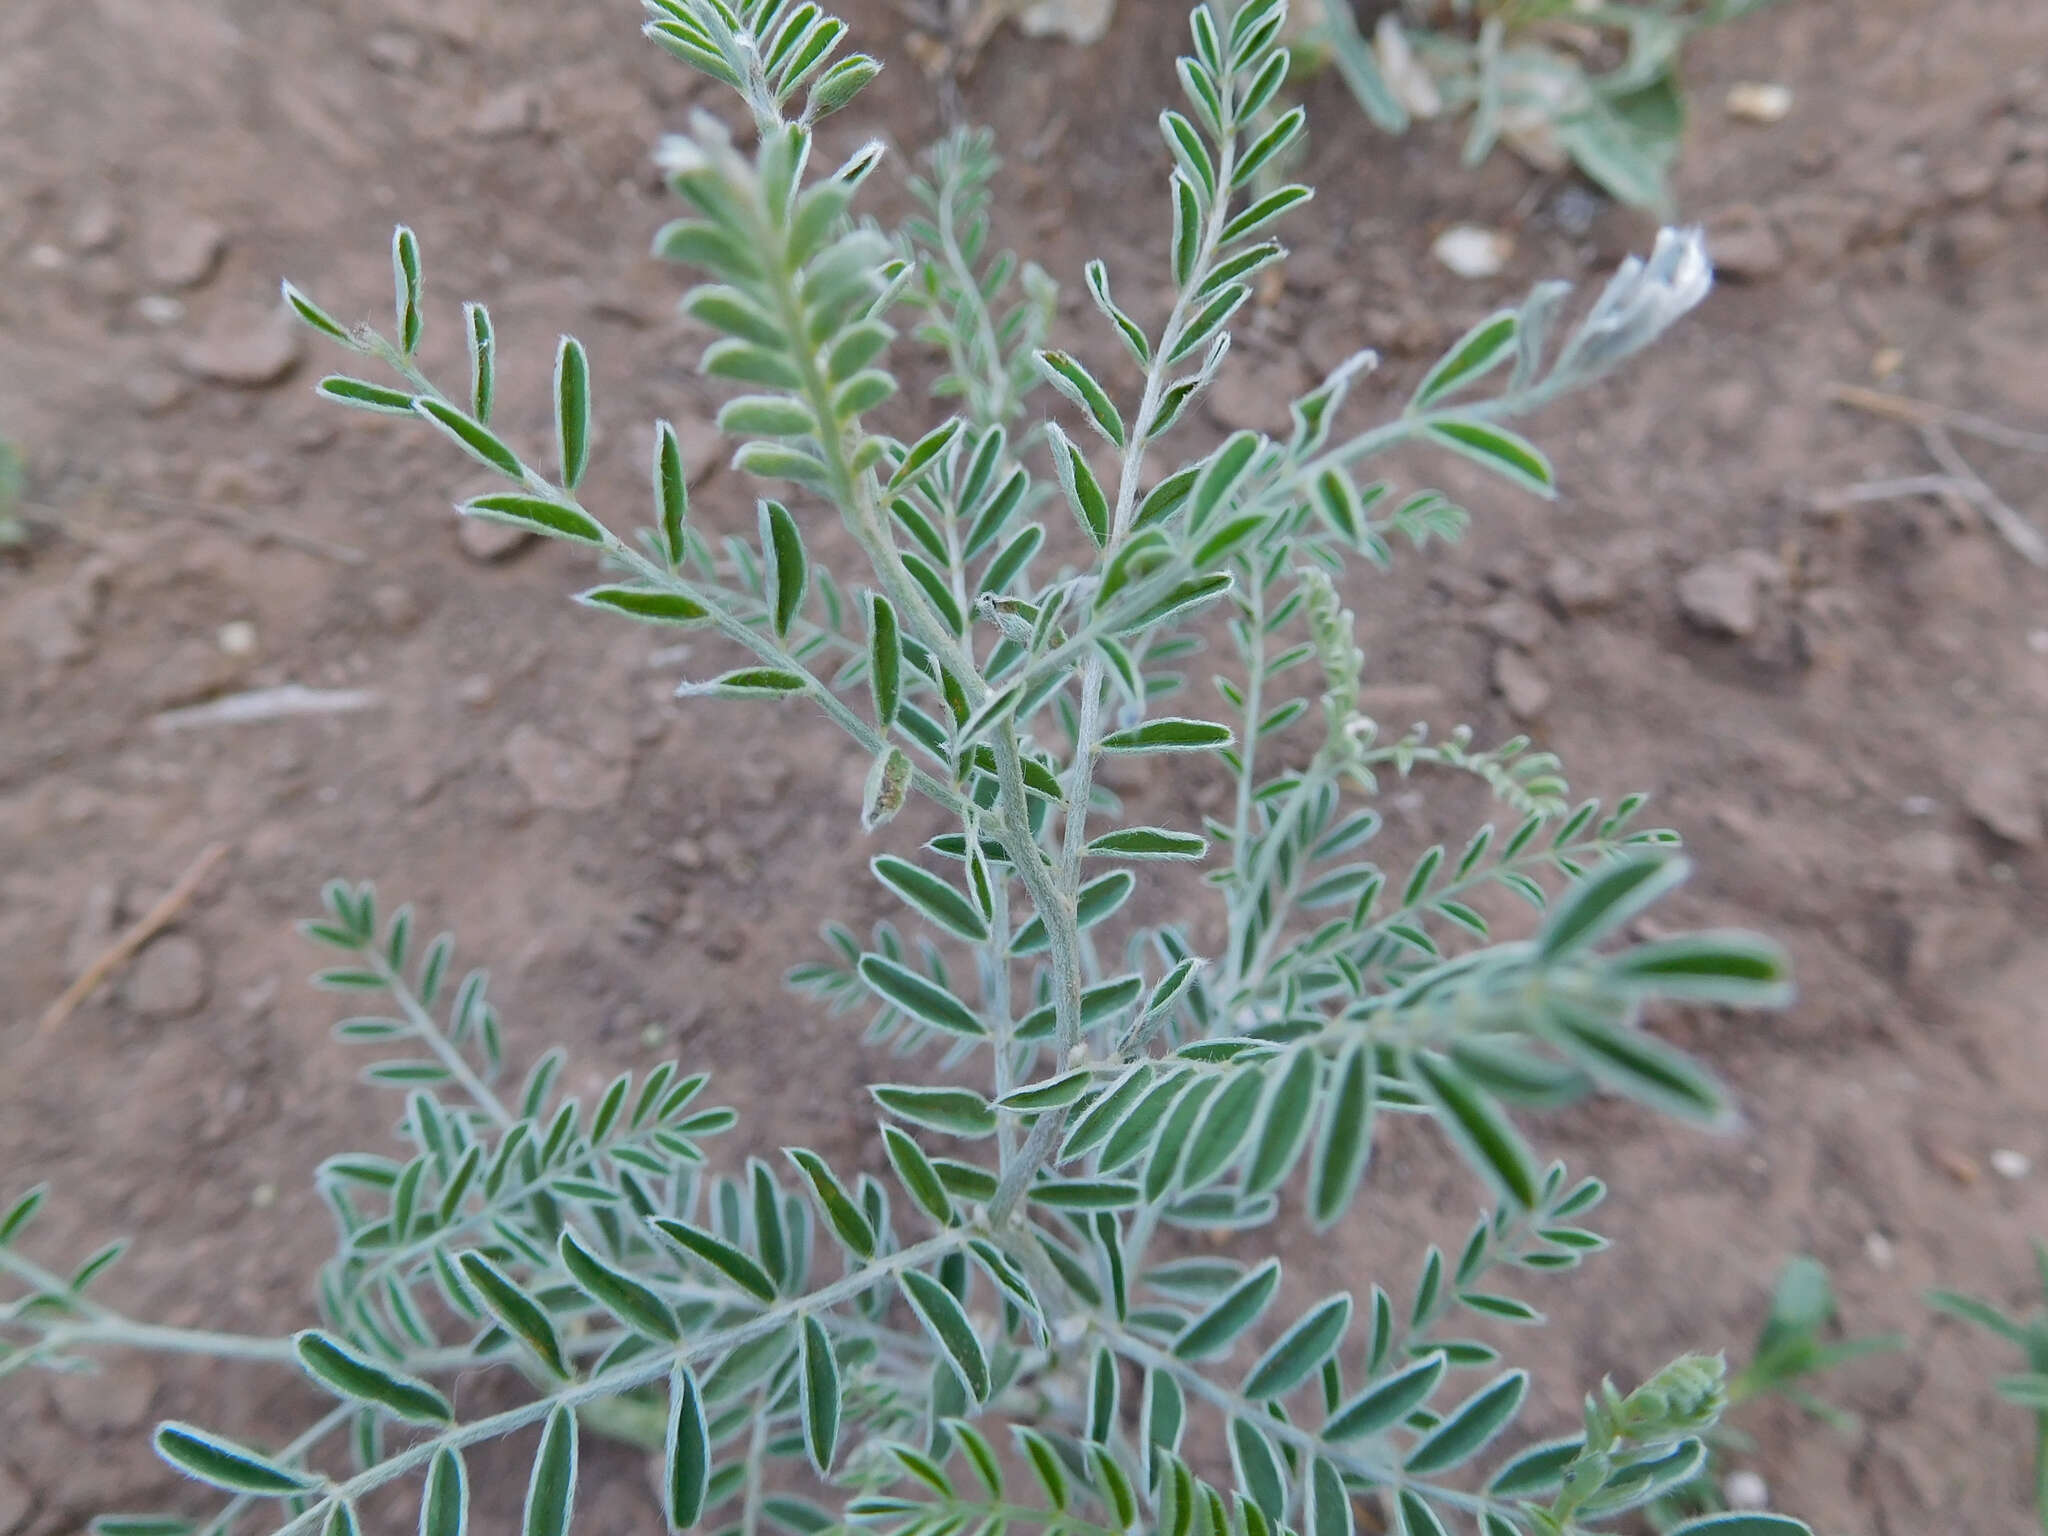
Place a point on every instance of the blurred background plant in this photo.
(2028, 1388)
(1560, 82)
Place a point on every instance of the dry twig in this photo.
(139, 933)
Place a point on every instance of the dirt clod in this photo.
(1722, 597)
(562, 777)
(1744, 245)
(1578, 585)
(2000, 794)
(169, 979)
(182, 252)
(1515, 620)
(245, 348)
(1521, 683)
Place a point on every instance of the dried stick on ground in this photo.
(139, 933)
(1923, 413)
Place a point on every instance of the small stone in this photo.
(113, 1400)
(184, 252)
(1515, 620)
(245, 348)
(2024, 186)
(1977, 235)
(1966, 180)
(1521, 683)
(476, 691)
(1472, 251)
(395, 606)
(1579, 586)
(2000, 794)
(237, 637)
(1745, 1490)
(1721, 597)
(1743, 244)
(159, 310)
(169, 979)
(506, 114)
(95, 228)
(46, 258)
(153, 390)
(396, 53)
(1879, 1250)
(1757, 101)
(488, 542)
(45, 624)
(687, 852)
(2008, 1164)
(562, 777)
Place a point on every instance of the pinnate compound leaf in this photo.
(1470, 1426)
(221, 1463)
(551, 1488)
(949, 1329)
(345, 1372)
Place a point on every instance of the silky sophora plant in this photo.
(1007, 1331)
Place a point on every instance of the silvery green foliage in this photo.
(1006, 1331)
(1595, 84)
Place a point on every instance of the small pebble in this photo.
(1756, 101)
(1919, 805)
(237, 638)
(1473, 252)
(46, 258)
(2037, 641)
(1745, 1490)
(159, 309)
(2008, 1164)
(1878, 1249)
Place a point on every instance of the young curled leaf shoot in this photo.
(1052, 1299)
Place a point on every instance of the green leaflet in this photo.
(344, 1371)
(1467, 1429)
(634, 1304)
(686, 1471)
(949, 1329)
(819, 1378)
(1237, 1309)
(221, 1463)
(444, 1505)
(1301, 1350)
(551, 1487)
(722, 1256)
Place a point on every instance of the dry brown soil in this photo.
(1857, 771)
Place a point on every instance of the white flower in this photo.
(1641, 301)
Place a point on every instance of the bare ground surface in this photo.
(1857, 772)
